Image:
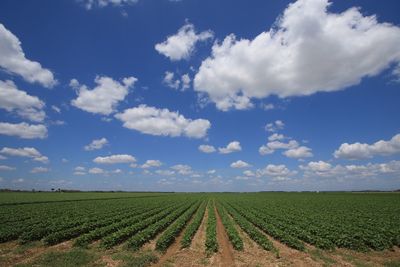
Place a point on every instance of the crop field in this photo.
(199, 229)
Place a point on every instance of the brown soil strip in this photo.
(225, 249)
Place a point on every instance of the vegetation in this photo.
(211, 232)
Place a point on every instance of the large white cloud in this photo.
(276, 172)
(29, 152)
(362, 150)
(233, 146)
(14, 100)
(150, 120)
(24, 130)
(96, 144)
(182, 169)
(182, 44)
(13, 60)
(115, 159)
(308, 50)
(104, 98)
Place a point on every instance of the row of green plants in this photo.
(169, 235)
(192, 228)
(230, 229)
(142, 237)
(125, 233)
(211, 230)
(254, 233)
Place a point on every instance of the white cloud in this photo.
(298, 152)
(56, 109)
(347, 172)
(28, 152)
(182, 44)
(2, 157)
(13, 60)
(165, 172)
(96, 144)
(249, 173)
(26, 106)
(115, 159)
(240, 164)
(6, 168)
(207, 148)
(276, 137)
(96, 171)
(150, 120)
(277, 172)
(80, 169)
(23, 130)
(104, 98)
(211, 171)
(39, 170)
(151, 163)
(90, 4)
(178, 84)
(308, 50)
(362, 150)
(230, 148)
(268, 106)
(275, 126)
(182, 169)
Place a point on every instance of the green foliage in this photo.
(193, 226)
(211, 231)
(168, 237)
(233, 235)
(251, 230)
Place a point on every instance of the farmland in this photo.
(199, 229)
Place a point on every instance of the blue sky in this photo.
(199, 95)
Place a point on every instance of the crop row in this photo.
(270, 229)
(193, 226)
(169, 235)
(251, 230)
(151, 231)
(85, 239)
(211, 231)
(125, 233)
(230, 229)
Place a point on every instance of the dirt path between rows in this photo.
(225, 248)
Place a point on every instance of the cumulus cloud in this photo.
(115, 159)
(275, 137)
(274, 126)
(26, 106)
(363, 151)
(248, 173)
(39, 170)
(182, 44)
(182, 169)
(13, 60)
(28, 152)
(230, 148)
(240, 164)
(298, 152)
(165, 172)
(23, 130)
(150, 120)
(308, 50)
(178, 84)
(104, 98)
(323, 169)
(90, 4)
(96, 171)
(277, 172)
(151, 163)
(96, 144)
(207, 148)
(6, 168)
